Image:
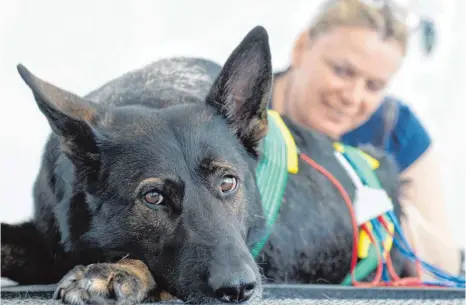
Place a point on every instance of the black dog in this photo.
(151, 179)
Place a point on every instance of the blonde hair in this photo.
(382, 19)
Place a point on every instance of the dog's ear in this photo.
(70, 117)
(241, 91)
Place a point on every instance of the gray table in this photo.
(286, 294)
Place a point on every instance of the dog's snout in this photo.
(232, 287)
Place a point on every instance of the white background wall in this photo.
(79, 45)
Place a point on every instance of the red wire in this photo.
(418, 263)
(349, 204)
(347, 200)
(378, 273)
(410, 281)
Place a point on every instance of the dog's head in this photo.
(174, 187)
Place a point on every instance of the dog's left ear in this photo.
(71, 117)
(241, 91)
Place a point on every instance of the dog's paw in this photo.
(120, 283)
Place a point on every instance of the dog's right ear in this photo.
(70, 117)
(242, 89)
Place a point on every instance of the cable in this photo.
(349, 205)
(346, 199)
(405, 250)
(451, 281)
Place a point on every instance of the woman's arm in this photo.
(426, 223)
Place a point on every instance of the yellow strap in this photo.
(292, 152)
(374, 163)
(364, 242)
(339, 147)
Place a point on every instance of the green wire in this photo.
(364, 267)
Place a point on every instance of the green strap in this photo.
(368, 177)
(272, 176)
(361, 166)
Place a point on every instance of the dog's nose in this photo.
(235, 293)
(233, 287)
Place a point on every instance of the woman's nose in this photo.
(354, 92)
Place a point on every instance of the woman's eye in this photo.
(153, 198)
(341, 71)
(229, 184)
(374, 87)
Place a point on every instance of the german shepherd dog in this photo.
(148, 184)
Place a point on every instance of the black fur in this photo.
(186, 122)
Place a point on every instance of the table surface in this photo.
(285, 294)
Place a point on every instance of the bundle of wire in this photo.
(384, 265)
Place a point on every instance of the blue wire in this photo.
(457, 281)
(379, 237)
(397, 226)
(441, 284)
(411, 255)
(426, 266)
(437, 272)
(385, 276)
(377, 232)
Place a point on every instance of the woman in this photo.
(335, 84)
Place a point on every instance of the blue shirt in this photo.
(406, 141)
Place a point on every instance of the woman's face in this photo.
(339, 78)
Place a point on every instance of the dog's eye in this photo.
(229, 184)
(153, 198)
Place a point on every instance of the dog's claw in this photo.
(100, 284)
